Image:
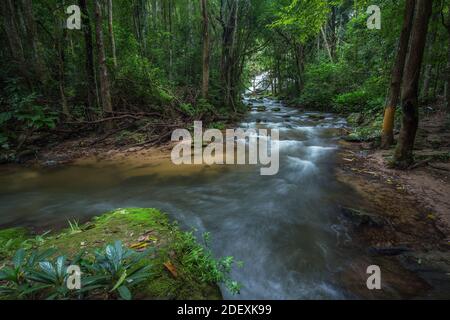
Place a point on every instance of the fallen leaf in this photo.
(171, 268)
(140, 246)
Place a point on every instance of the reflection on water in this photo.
(282, 227)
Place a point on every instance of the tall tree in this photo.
(14, 41)
(229, 13)
(91, 87)
(111, 32)
(410, 104)
(105, 91)
(30, 24)
(206, 45)
(397, 76)
(446, 23)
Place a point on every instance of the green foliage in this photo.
(10, 241)
(323, 82)
(367, 128)
(303, 17)
(22, 114)
(199, 260)
(136, 82)
(351, 102)
(202, 110)
(74, 226)
(17, 278)
(114, 271)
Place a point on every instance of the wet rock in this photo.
(316, 117)
(276, 109)
(433, 266)
(388, 251)
(25, 155)
(261, 109)
(50, 163)
(361, 218)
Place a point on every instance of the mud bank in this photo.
(398, 227)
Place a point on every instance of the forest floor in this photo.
(403, 218)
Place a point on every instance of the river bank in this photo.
(402, 221)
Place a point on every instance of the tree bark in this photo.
(327, 46)
(30, 23)
(228, 60)
(61, 70)
(410, 104)
(447, 85)
(92, 97)
(447, 71)
(206, 45)
(111, 32)
(397, 75)
(15, 44)
(105, 92)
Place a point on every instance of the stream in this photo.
(285, 228)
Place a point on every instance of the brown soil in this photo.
(413, 246)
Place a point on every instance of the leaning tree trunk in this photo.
(206, 54)
(410, 101)
(397, 75)
(104, 80)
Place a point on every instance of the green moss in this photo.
(15, 234)
(130, 226)
(11, 240)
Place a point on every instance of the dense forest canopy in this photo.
(167, 62)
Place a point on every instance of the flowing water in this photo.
(284, 227)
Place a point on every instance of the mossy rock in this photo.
(261, 109)
(276, 109)
(11, 240)
(316, 117)
(130, 226)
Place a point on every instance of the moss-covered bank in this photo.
(181, 267)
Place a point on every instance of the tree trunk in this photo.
(427, 81)
(61, 71)
(333, 37)
(111, 32)
(206, 54)
(327, 45)
(92, 97)
(15, 44)
(447, 91)
(410, 104)
(447, 72)
(38, 64)
(228, 61)
(104, 80)
(397, 75)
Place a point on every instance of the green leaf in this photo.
(124, 293)
(19, 258)
(121, 280)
